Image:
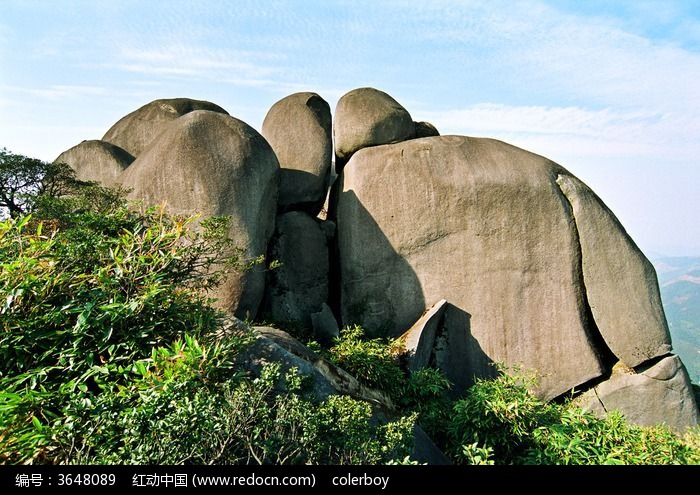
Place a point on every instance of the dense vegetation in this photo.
(110, 353)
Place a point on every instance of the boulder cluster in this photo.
(473, 251)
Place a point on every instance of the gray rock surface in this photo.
(135, 131)
(368, 117)
(299, 287)
(214, 164)
(324, 325)
(425, 451)
(482, 224)
(660, 394)
(621, 283)
(97, 161)
(298, 127)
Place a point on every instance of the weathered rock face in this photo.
(96, 161)
(621, 283)
(298, 127)
(368, 117)
(214, 164)
(484, 225)
(660, 394)
(136, 131)
(299, 287)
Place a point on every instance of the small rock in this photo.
(324, 325)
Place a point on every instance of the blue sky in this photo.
(611, 90)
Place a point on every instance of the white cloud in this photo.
(57, 91)
(239, 68)
(574, 131)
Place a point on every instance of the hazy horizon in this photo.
(608, 90)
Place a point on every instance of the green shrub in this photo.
(426, 393)
(375, 362)
(108, 354)
(501, 421)
(186, 405)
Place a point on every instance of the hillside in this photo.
(679, 279)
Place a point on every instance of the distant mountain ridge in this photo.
(679, 279)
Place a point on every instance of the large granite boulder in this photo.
(659, 394)
(137, 130)
(214, 164)
(97, 161)
(486, 226)
(368, 117)
(299, 287)
(298, 127)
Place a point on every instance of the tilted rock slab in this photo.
(214, 164)
(419, 340)
(368, 117)
(97, 161)
(135, 131)
(298, 127)
(486, 226)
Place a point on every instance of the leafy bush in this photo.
(108, 354)
(426, 393)
(500, 421)
(186, 406)
(375, 362)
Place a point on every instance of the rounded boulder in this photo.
(97, 161)
(135, 131)
(214, 164)
(298, 127)
(368, 117)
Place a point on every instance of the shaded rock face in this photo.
(299, 287)
(486, 226)
(298, 127)
(97, 161)
(425, 129)
(214, 164)
(659, 394)
(368, 117)
(324, 325)
(137, 130)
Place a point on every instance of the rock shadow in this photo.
(458, 354)
(296, 191)
(375, 287)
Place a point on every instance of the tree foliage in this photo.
(23, 180)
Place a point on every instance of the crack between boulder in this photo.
(606, 356)
(647, 365)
